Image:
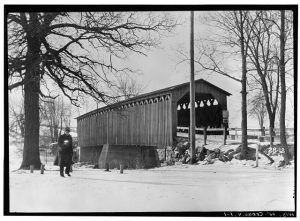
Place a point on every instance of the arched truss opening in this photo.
(208, 111)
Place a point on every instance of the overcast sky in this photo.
(161, 68)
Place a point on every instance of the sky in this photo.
(162, 67)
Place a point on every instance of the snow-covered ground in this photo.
(230, 186)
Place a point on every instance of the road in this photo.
(173, 188)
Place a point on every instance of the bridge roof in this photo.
(153, 94)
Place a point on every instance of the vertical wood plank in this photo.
(137, 115)
(141, 124)
(110, 127)
(135, 123)
(162, 123)
(81, 132)
(151, 121)
(170, 127)
(106, 127)
(123, 126)
(131, 125)
(94, 129)
(145, 123)
(155, 126)
(157, 123)
(101, 129)
(128, 126)
(113, 138)
(173, 114)
(78, 132)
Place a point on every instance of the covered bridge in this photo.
(140, 125)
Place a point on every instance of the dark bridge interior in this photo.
(208, 111)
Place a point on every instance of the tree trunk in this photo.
(271, 113)
(51, 128)
(22, 131)
(60, 131)
(261, 124)
(283, 90)
(31, 154)
(244, 95)
(244, 120)
(55, 132)
(271, 129)
(22, 126)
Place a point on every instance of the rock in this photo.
(281, 163)
(182, 147)
(170, 163)
(238, 156)
(210, 157)
(185, 159)
(201, 152)
(230, 157)
(169, 148)
(223, 157)
(229, 151)
(186, 145)
(217, 150)
(199, 149)
(208, 152)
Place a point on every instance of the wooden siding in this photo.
(202, 87)
(145, 123)
(146, 120)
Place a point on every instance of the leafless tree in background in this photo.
(263, 61)
(129, 87)
(267, 49)
(285, 32)
(54, 114)
(254, 37)
(257, 109)
(17, 119)
(232, 37)
(76, 52)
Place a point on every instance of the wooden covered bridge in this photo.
(137, 127)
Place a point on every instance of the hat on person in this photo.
(67, 129)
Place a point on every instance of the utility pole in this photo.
(192, 94)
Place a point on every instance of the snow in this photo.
(73, 134)
(230, 186)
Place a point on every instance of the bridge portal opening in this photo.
(208, 111)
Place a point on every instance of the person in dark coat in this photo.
(65, 152)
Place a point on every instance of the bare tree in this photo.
(77, 52)
(282, 62)
(48, 118)
(255, 36)
(269, 64)
(264, 63)
(16, 119)
(257, 109)
(128, 87)
(54, 114)
(233, 35)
